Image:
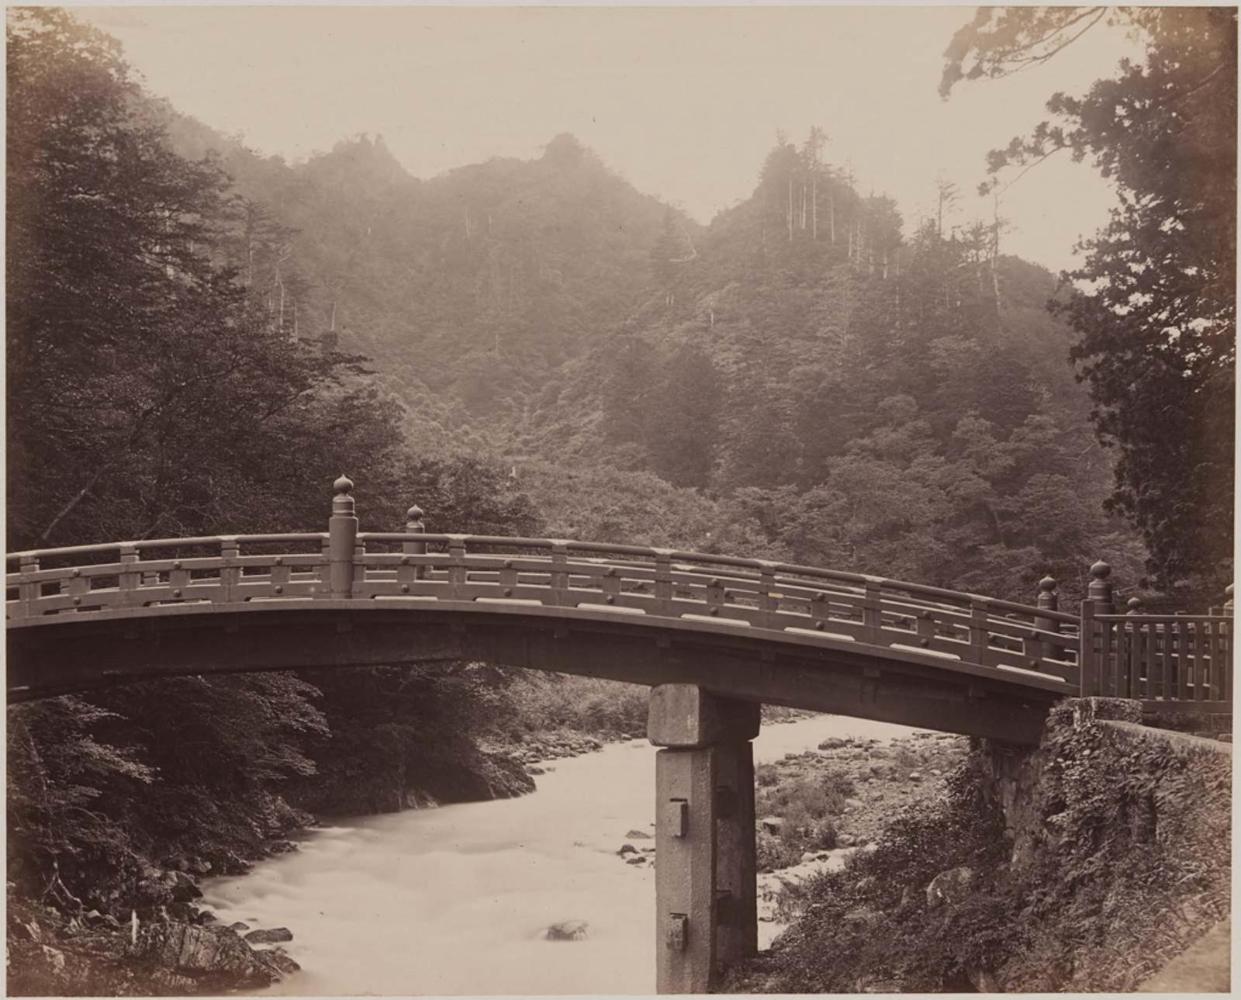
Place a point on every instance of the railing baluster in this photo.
(279, 576)
(980, 637)
(560, 575)
(77, 587)
(1225, 665)
(130, 576)
(1182, 659)
(28, 593)
(663, 584)
(230, 572)
(1196, 653)
(610, 585)
(768, 602)
(872, 613)
(1133, 651)
(413, 526)
(457, 570)
(1153, 664)
(1088, 652)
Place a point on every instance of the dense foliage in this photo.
(136, 360)
(158, 387)
(1117, 858)
(1154, 303)
(739, 384)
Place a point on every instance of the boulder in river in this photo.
(567, 930)
(213, 958)
(638, 835)
(278, 959)
(270, 936)
(627, 849)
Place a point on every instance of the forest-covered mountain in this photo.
(469, 290)
(810, 376)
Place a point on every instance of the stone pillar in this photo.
(705, 870)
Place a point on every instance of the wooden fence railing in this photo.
(1039, 645)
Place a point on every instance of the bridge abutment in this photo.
(705, 865)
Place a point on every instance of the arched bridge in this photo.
(714, 635)
(86, 616)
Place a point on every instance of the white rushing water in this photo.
(454, 900)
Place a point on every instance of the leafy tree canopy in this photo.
(1154, 303)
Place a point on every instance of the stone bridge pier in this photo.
(705, 871)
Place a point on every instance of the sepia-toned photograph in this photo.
(619, 500)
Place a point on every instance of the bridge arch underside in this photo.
(852, 679)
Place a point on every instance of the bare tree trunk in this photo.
(789, 212)
(814, 206)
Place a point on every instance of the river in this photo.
(454, 900)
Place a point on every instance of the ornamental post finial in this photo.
(1100, 590)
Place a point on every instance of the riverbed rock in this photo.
(55, 958)
(567, 930)
(214, 959)
(278, 959)
(627, 849)
(270, 936)
(637, 835)
(949, 887)
(239, 927)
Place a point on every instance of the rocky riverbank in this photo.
(1084, 865)
(817, 808)
(154, 937)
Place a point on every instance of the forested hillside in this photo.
(811, 376)
(468, 290)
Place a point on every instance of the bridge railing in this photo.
(1155, 658)
(723, 590)
(1166, 660)
(220, 569)
(1161, 658)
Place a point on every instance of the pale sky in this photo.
(683, 102)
